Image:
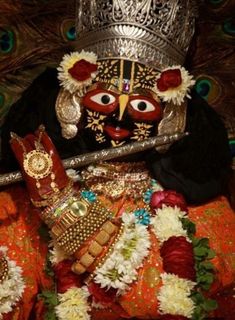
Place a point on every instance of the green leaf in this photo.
(211, 254)
(209, 305)
(200, 251)
(198, 313)
(189, 226)
(195, 241)
(49, 297)
(207, 265)
(50, 315)
(204, 242)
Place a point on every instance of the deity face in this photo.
(113, 117)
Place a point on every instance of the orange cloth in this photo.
(26, 248)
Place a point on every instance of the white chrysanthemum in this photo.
(73, 305)
(119, 270)
(167, 223)
(12, 288)
(178, 94)
(66, 80)
(57, 255)
(174, 296)
(128, 219)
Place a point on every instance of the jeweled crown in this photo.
(156, 33)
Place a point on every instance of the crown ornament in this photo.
(156, 33)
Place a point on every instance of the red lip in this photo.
(117, 133)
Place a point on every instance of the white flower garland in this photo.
(73, 304)
(167, 223)
(66, 80)
(174, 296)
(12, 288)
(120, 269)
(178, 94)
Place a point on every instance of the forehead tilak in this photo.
(127, 76)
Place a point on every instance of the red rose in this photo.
(178, 258)
(172, 317)
(169, 79)
(66, 278)
(82, 70)
(169, 198)
(101, 295)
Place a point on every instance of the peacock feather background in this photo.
(36, 33)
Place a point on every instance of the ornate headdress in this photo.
(156, 33)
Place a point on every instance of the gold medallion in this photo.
(37, 164)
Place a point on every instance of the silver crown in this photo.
(156, 33)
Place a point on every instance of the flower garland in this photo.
(183, 261)
(12, 286)
(120, 269)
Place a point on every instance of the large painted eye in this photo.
(142, 105)
(100, 100)
(143, 108)
(103, 98)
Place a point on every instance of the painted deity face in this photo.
(114, 117)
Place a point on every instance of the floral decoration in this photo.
(174, 84)
(57, 255)
(73, 304)
(77, 70)
(167, 223)
(185, 258)
(120, 269)
(169, 198)
(142, 216)
(178, 257)
(12, 287)
(174, 296)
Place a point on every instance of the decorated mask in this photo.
(125, 83)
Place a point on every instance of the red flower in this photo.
(101, 295)
(172, 317)
(66, 278)
(178, 257)
(82, 70)
(169, 198)
(169, 79)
